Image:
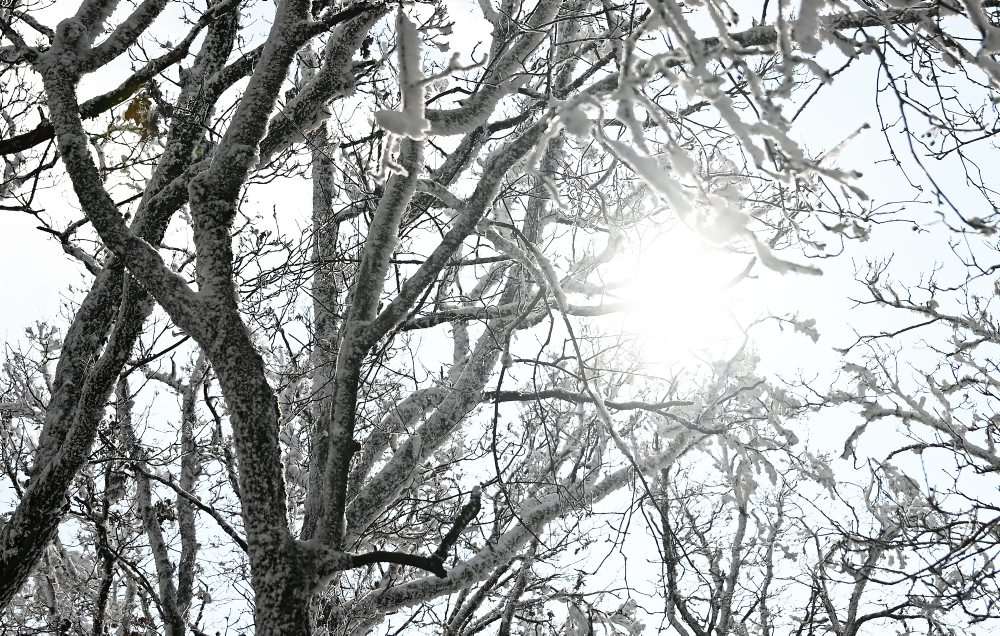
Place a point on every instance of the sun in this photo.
(685, 296)
(691, 301)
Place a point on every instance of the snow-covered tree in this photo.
(350, 332)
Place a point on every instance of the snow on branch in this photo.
(721, 225)
(409, 121)
(534, 516)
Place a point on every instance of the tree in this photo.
(424, 395)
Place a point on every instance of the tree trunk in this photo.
(282, 574)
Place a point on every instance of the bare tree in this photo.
(424, 396)
(928, 379)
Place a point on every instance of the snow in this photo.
(410, 121)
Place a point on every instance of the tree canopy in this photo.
(352, 345)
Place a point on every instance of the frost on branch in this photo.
(807, 26)
(409, 121)
(714, 218)
(480, 342)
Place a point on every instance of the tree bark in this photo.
(282, 573)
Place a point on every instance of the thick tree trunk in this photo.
(282, 582)
(282, 574)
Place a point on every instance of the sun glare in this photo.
(690, 300)
(683, 297)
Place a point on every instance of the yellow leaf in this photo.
(137, 109)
